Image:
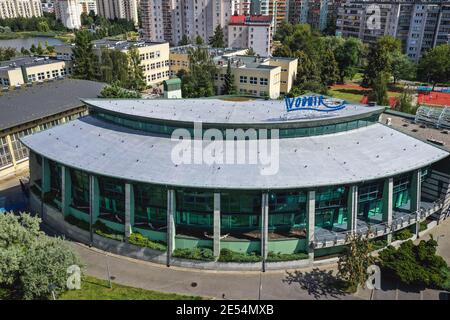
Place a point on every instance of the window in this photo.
(5, 155)
(80, 190)
(150, 206)
(112, 199)
(253, 80)
(263, 81)
(20, 151)
(243, 79)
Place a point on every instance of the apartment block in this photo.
(20, 8)
(317, 13)
(29, 69)
(256, 76)
(118, 9)
(154, 56)
(88, 6)
(69, 12)
(419, 25)
(251, 32)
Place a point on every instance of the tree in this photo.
(348, 57)
(30, 261)
(353, 264)
(199, 41)
(329, 70)
(40, 50)
(380, 58)
(43, 26)
(217, 40)
(250, 52)
(85, 61)
(136, 71)
(33, 48)
(379, 89)
(434, 66)
(184, 40)
(115, 91)
(402, 67)
(24, 51)
(199, 80)
(404, 102)
(7, 53)
(228, 86)
(416, 264)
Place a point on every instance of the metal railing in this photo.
(333, 238)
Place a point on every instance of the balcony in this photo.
(375, 227)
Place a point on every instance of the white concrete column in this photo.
(310, 223)
(170, 224)
(216, 245)
(416, 190)
(264, 225)
(388, 205)
(66, 190)
(128, 209)
(352, 209)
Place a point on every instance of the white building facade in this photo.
(20, 8)
(120, 9)
(69, 12)
(251, 32)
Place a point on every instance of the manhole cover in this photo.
(193, 284)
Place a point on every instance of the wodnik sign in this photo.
(312, 103)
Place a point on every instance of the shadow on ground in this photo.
(319, 283)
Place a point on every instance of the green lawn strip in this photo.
(355, 95)
(97, 289)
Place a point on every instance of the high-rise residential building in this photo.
(251, 32)
(88, 6)
(169, 20)
(118, 9)
(69, 12)
(317, 13)
(278, 9)
(420, 25)
(20, 8)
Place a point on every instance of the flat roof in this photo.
(28, 61)
(42, 100)
(363, 154)
(218, 111)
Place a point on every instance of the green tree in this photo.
(184, 40)
(199, 41)
(434, 66)
(348, 54)
(416, 264)
(30, 261)
(217, 40)
(43, 26)
(403, 68)
(85, 61)
(24, 51)
(379, 89)
(33, 48)
(329, 70)
(250, 52)
(136, 71)
(380, 58)
(115, 91)
(353, 264)
(7, 53)
(40, 50)
(228, 86)
(404, 102)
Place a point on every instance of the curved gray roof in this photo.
(352, 156)
(222, 112)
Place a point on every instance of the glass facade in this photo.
(112, 199)
(150, 206)
(195, 208)
(287, 210)
(165, 129)
(402, 193)
(331, 207)
(240, 210)
(370, 200)
(55, 182)
(5, 155)
(80, 190)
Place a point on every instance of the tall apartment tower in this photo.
(88, 6)
(419, 25)
(20, 8)
(69, 12)
(120, 9)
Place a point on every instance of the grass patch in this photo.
(96, 289)
(352, 95)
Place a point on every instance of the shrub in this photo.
(197, 253)
(377, 244)
(416, 264)
(77, 222)
(227, 255)
(103, 230)
(139, 240)
(278, 256)
(30, 260)
(423, 226)
(404, 234)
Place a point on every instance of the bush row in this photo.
(142, 241)
(204, 254)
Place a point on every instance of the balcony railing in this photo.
(332, 238)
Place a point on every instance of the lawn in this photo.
(353, 92)
(96, 289)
